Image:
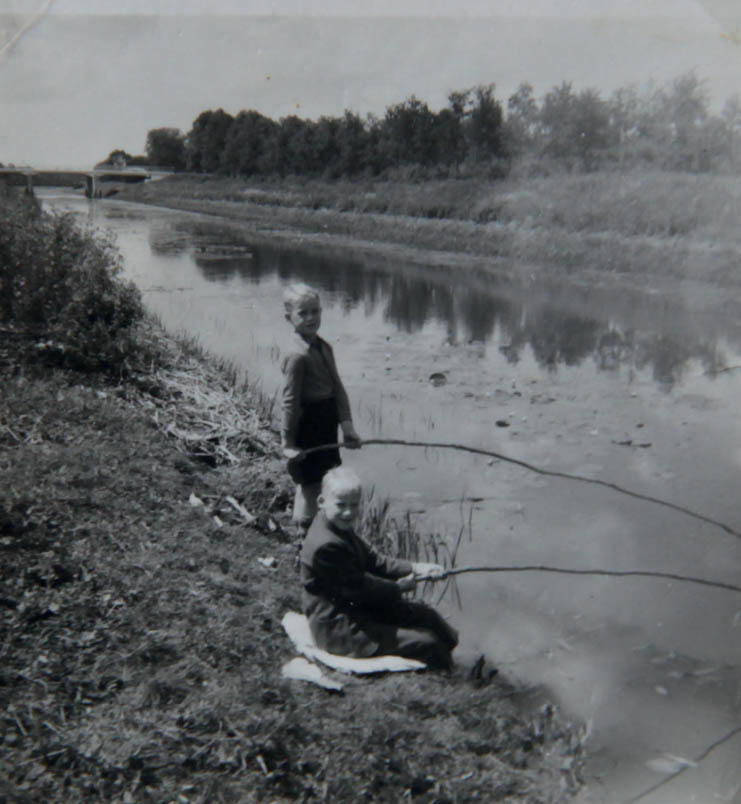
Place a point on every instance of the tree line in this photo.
(668, 127)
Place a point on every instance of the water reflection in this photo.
(669, 356)
(163, 242)
(219, 270)
(471, 311)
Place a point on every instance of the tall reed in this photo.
(400, 536)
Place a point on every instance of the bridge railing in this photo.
(29, 177)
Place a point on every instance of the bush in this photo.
(60, 283)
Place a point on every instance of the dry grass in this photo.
(209, 407)
(706, 208)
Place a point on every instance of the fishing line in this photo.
(722, 370)
(538, 470)
(697, 759)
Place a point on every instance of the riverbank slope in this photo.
(648, 230)
(145, 573)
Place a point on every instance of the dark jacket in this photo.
(349, 590)
(310, 375)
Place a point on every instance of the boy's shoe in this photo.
(482, 674)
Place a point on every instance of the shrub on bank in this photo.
(60, 284)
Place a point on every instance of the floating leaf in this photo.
(669, 763)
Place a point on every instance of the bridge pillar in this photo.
(90, 189)
(29, 184)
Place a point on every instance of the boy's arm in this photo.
(339, 575)
(387, 567)
(293, 370)
(349, 437)
(344, 414)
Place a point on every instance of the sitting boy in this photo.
(352, 596)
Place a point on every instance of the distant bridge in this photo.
(55, 178)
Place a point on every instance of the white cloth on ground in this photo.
(297, 627)
(301, 669)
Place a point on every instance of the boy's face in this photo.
(341, 507)
(306, 317)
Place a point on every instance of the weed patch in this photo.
(61, 284)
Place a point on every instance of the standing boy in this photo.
(314, 402)
(352, 595)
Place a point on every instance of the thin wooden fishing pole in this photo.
(679, 772)
(538, 470)
(721, 370)
(616, 573)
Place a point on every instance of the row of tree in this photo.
(670, 127)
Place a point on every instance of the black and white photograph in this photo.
(370, 377)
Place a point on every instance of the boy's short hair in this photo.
(340, 479)
(296, 293)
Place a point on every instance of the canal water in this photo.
(639, 391)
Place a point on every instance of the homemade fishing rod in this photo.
(532, 468)
(566, 571)
(722, 370)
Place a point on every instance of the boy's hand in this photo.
(407, 583)
(292, 453)
(423, 571)
(350, 438)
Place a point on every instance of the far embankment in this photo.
(645, 230)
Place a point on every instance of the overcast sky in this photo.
(79, 78)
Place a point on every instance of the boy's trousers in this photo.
(416, 631)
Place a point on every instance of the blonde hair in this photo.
(296, 293)
(340, 479)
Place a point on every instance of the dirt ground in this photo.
(141, 635)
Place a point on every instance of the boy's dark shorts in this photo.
(318, 425)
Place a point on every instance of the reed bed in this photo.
(209, 406)
(400, 535)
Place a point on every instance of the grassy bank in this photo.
(642, 228)
(141, 636)
(142, 641)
